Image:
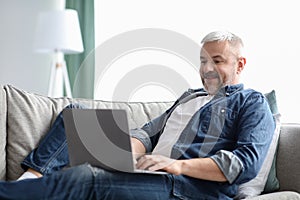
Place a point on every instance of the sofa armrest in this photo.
(288, 158)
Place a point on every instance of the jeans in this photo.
(86, 182)
(52, 152)
(81, 182)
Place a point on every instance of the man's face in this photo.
(219, 66)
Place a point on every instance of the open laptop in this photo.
(101, 138)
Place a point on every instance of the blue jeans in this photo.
(81, 182)
(85, 182)
(52, 152)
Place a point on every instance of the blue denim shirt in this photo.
(235, 129)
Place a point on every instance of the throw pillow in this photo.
(271, 98)
(272, 183)
(256, 186)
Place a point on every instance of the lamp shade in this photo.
(58, 31)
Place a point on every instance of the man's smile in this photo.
(211, 75)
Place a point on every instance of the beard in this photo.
(212, 82)
(212, 86)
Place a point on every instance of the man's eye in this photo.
(218, 61)
(203, 62)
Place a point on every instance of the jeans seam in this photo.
(47, 164)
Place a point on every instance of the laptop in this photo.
(101, 138)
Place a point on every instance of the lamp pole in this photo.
(59, 79)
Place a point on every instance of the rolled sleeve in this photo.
(229, 164)
(143, 137)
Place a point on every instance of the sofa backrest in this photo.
(29, 116)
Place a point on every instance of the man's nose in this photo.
(208, 67)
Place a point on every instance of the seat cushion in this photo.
(278, 196)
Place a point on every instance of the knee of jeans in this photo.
(75, 178)
(76, 106)
(82, 171)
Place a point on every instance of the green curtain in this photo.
(81, 66)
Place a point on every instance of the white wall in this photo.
(270, 30)
(20, 65)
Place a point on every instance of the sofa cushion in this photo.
(272, 101)
(28, 119)
(272, 183)
(30, 116)
(278, 196)
(2, 133)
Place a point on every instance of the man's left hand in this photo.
(159, 162)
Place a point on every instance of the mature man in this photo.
(210, 141)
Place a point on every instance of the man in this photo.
(210, 141)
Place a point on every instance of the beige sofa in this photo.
(25, 117)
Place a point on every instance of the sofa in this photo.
(26, 117)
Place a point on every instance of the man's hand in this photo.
(202, 168)
(158, 162)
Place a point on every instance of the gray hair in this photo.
(222, 36)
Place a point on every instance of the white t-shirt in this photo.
(176, 123)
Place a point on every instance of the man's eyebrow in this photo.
(217, 56)
(213, 57)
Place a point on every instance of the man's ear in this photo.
(241, 64)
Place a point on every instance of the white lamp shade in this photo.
(58, 31)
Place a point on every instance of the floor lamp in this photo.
(58, 32)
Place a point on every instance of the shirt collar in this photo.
(224, 91)
(229, 89)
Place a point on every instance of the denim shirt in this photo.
(234, 129)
